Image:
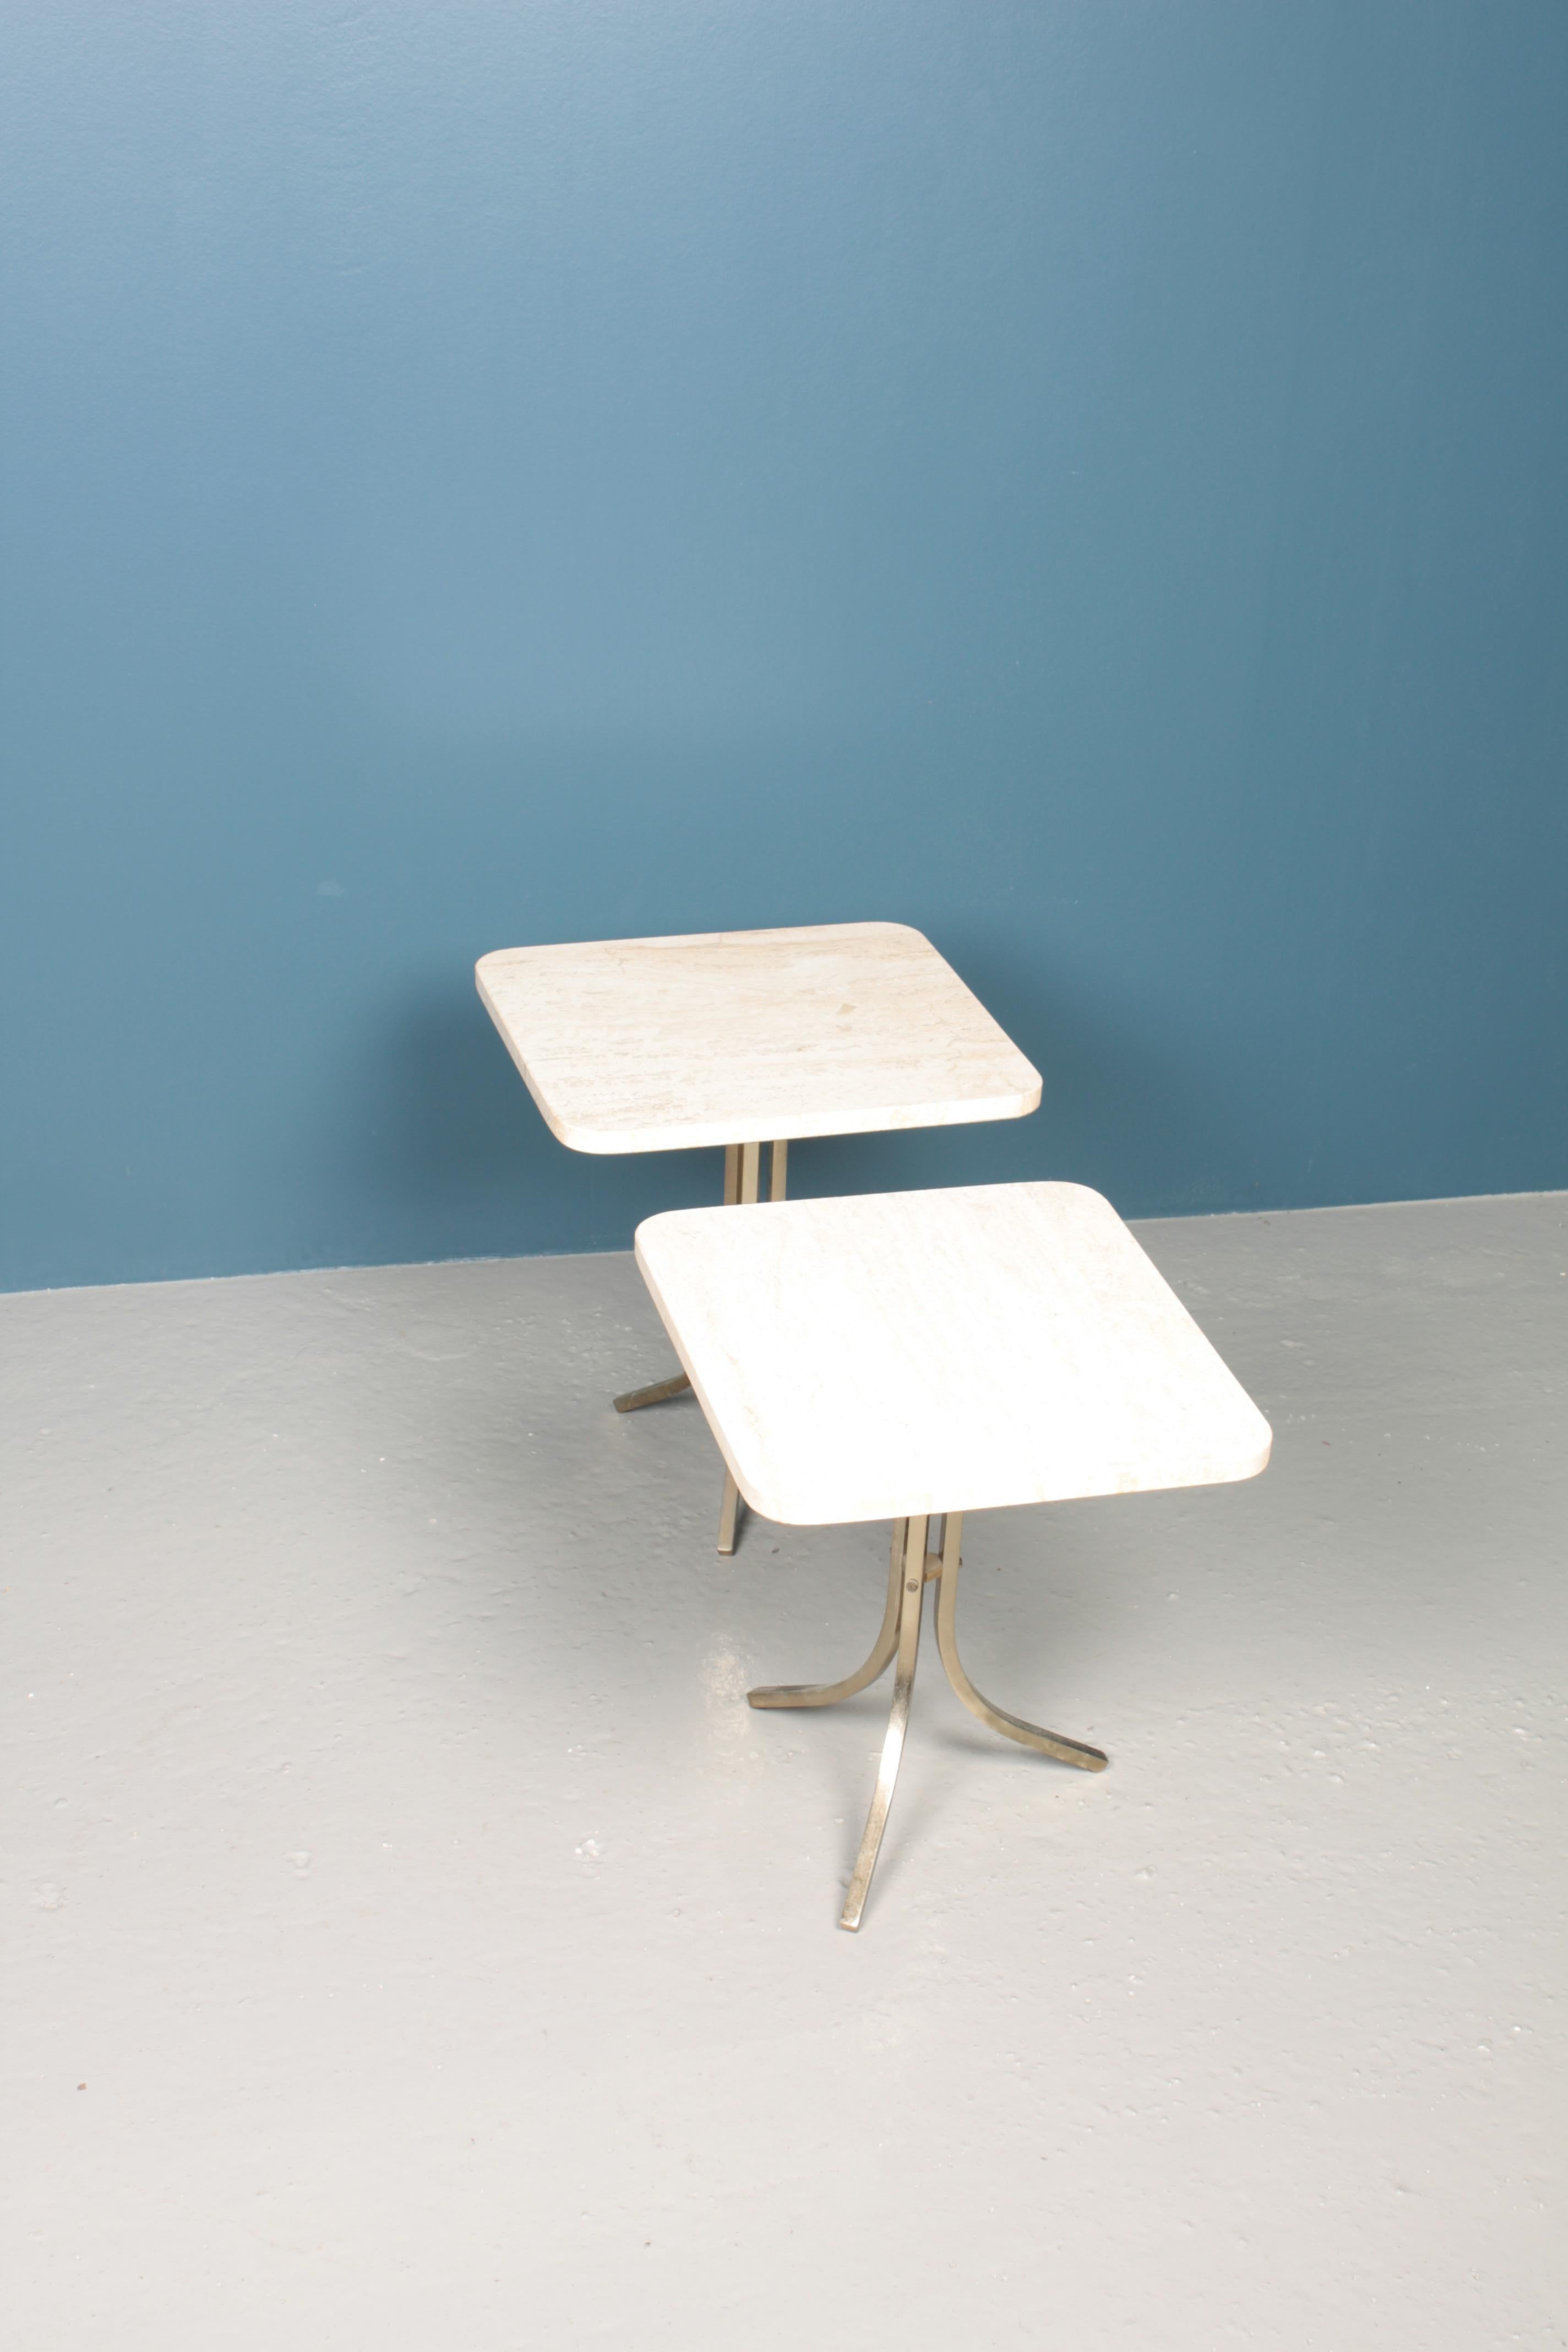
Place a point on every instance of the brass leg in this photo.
(911, 1593)
(1028, 1734)
(742, 1176)
(730, 1511)
(778, 1163)
(654, 1394)
(882, 1648)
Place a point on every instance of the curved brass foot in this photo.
(654, 1394)
(908, 1593)
(1012, 1727)
(882, 1648)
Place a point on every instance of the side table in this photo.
(914, 1356)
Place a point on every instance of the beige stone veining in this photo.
(960, 1350)
(745, 1037)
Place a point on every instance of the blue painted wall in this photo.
(1086, 477)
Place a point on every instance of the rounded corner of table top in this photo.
(591, 1140)
(1098, 1203)
(1254, 1444)
(646, 1226)
(651, 1229)
(901, 930)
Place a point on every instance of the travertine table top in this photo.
(953, 1350)
(750, 1037)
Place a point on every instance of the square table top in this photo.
(903, 1353)
(750, 1037)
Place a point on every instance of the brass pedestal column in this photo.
(910, 1569)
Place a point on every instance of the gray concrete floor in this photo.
(412, 1939)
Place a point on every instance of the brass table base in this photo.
(910, 1569)
(743, 1183)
